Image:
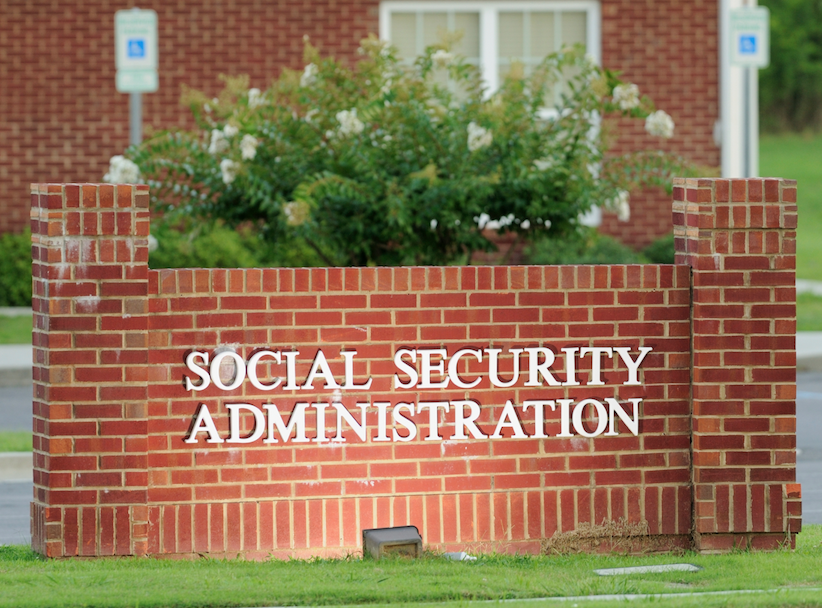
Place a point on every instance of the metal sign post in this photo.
(749, 42)
(135, 53)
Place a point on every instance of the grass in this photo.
(15, 330)
(808, 312)
(15, 441)
(798, 157)
(29, 581)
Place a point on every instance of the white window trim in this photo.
(488, 27)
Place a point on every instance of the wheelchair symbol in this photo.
(747, 45)
(136, 48)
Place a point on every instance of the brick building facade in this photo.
(61, 118)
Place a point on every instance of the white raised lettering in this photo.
(433, 417)
(509, 420)
(633, 366)
(234, 422)
(320, 407)
(349, 355)
(570, 367)
(535, 368)
(493, 366)
(320, 368)
(565, 417)
(239, 370)
(296, 423)
(426, 367)
(291, 370)
(602, 417)
(596, 362)
(251, 370)
(539, 415)
(344, 414)
(203, 374)
(402, 420)
(411, 372)
(203, 422)
(461, 422)
(382, 415)
(454, 362)
(615, 408)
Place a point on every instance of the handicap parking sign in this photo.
(136, 48)
(747, 45)
(135, 43)
(748, 36)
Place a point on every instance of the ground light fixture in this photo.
(402, 541)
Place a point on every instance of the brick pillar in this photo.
(739, 237)
(90, 273)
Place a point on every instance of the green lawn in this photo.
(15, 441)
(15, 330)
(27, 580)
(799, 157)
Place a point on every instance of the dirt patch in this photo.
(621, 536)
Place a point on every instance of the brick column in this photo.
(739, 237)
(90, 274)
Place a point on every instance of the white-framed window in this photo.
(494, 33)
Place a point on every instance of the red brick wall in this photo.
(740, 238)
(61, 118)
(113, 474)
(514, 491)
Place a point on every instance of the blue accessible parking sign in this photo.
(749, 30)
(747, 45)
(135, 45)
(136, 48)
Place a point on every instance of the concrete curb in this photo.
(15, 377)
(15, 311)
(16, 466)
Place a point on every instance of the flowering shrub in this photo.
(391, 164)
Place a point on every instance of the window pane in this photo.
(573, 28)
(542, 34)
(434, 27)
(404, 34)
(510, 36)
(468, 24)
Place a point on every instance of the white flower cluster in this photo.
(660, 124)
(442, 58)
(248, 147)
(349, 123)
(122, 171)
(229, 169)
(219, 143)
(478, 137)
(620, 205)
(255, 98)
(626, 96)
(543, 164)
(296, 213)
(309, 76)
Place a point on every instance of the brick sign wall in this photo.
(281, 411)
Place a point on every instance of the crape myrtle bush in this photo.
(386, 163)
